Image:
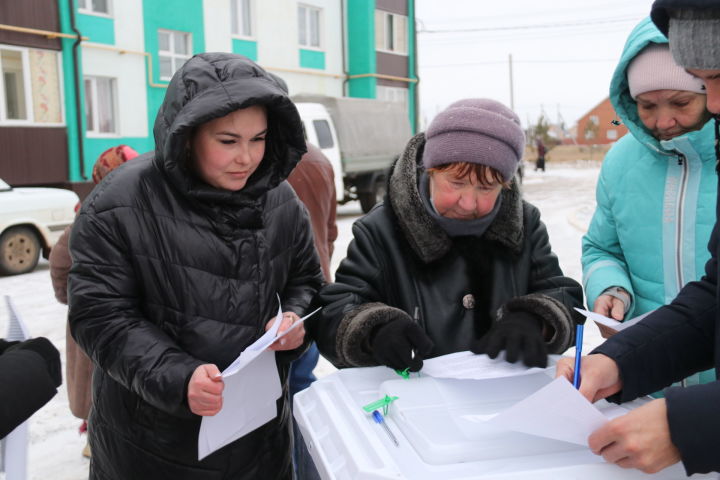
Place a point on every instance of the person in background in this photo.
(675, 340)
(78, 367)
(540, 161)
(30, 374)
(178, 258)
(649, 234)
(314, 183)
(453, 260)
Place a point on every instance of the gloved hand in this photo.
(393, 343)
(43, 347)
(520, 335)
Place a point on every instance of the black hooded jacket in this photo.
(400, 257)
(170, 273)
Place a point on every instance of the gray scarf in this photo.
(452, 226)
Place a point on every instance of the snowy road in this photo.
(564, 194)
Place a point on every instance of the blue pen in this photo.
(377, 416)
(578, 353)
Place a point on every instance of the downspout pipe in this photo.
(76, 84)
(343, 33)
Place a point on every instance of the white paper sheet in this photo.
(14, 447)
(555, 411)
(611, 322)
(467, 365)
(252, 387)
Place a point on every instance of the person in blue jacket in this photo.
(677, 339)
(649, 234)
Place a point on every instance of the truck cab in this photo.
(361, 137)
(320, 131)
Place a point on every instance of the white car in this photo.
(31, 221)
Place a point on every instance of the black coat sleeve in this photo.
(27, 385)
(107, 322)
(304, 280)
(342, 328)
(550, 295)
(668, 345)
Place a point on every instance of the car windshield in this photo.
(4, 187)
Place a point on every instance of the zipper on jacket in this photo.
(679, 215)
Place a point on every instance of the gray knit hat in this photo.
(695, 37)
(476, 130)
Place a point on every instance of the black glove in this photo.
(394, 342)
(43, 347)
(519, 334)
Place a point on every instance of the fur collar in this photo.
(427, 239)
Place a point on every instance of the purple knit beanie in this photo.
(476, 130)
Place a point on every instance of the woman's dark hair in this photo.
(465, 169)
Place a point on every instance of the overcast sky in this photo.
(563, 52)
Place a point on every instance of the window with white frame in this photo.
(391, 32)
(14, 85)
(241, 18)
(29, 86)
(174, 49)
(612, 134)
(309, 26)
(100, 117)
(94, 6)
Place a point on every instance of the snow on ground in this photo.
(565, 194)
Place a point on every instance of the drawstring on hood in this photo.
(717, 143)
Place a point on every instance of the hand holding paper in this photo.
(205, 390)
(291, 340)
(640, 439)
(251, 389)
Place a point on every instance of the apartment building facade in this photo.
(80, 76)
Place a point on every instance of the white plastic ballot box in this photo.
(439, 428)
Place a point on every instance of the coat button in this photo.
(468, 301)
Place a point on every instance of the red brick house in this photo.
(596, 127)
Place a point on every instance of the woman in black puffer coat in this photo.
(177, 259)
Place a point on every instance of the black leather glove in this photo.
(43, 347)
(520, 335)
(393, 343)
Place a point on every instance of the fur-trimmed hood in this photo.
(427, 239)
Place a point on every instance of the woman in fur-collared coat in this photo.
(453, 260)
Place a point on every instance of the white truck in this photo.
(361, 137)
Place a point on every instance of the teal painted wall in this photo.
(245, 47)
(184, 16)
(361, 47)
(312, 59)
(97, 29)
(71, 113)
(412, 55)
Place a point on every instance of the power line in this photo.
(504, 62)
(575, 23)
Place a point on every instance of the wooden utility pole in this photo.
(512, 92)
